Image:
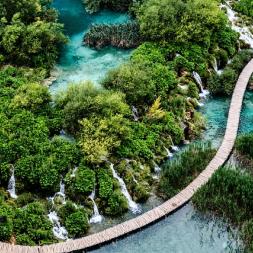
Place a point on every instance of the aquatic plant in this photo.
(179, 172)
(120, 35)
(229, 195)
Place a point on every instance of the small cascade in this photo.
(169, 154)
(61, 193)
(198, 80)
(12, 184)
(199, 103)
(215, 65)
(96, 217)
(135, 113)
(131, 204)
(62, 133)
(59, 231)
(134, 179)
(73, 174)
(245, 33)
(173, 146)
(141, 166)
(157, 169)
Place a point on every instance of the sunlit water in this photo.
(78, 62)
(186, 230)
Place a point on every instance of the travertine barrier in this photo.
(169, 206)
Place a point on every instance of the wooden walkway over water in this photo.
(169, 206)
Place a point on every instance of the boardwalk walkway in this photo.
(169, 206)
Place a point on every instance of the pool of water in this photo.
(77, 62)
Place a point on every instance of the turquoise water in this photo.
(186, 230)
(77, 62)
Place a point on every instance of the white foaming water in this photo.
(157, 169)
(173, 146)
(215, 65)
(96, 217)
(59, 231)
(12, 185)
(169, 154)
(61, 193)
(134, 207)
(245, 33)
(73, 174)
(135, 113)
(204, 93)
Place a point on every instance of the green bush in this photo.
(83, 182)
(77, 224)
(244, 144)
(224, 84)
(105, 183)
(117, 204)
(6, 222)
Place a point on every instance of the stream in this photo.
(186, 230)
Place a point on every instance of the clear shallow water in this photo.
(186, 231)
(78, 62)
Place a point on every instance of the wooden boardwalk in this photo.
(169, 206)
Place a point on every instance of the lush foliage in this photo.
(29, 224)
(28, 30)
(224, 84)
(244, 144)
(245, 7)
(179, 172)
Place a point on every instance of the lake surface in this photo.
(186, 230)
(78, 62)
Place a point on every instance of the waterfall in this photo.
(173, 146)
(61, 193)
(169, 154)
(131, 204)
(157, 169)
(59, 231)
(135, 113)
(96, 217)
(215, 65)
(62, 133)
(73, 174)
(12, 184)
(198, 80)
(245, 33)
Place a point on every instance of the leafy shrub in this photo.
(117, 204)
(244, 144)
(6, 222)
(105, 183)
(83, 182)
(224, 84)
(77, 223)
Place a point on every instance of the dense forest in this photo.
(130, 124)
